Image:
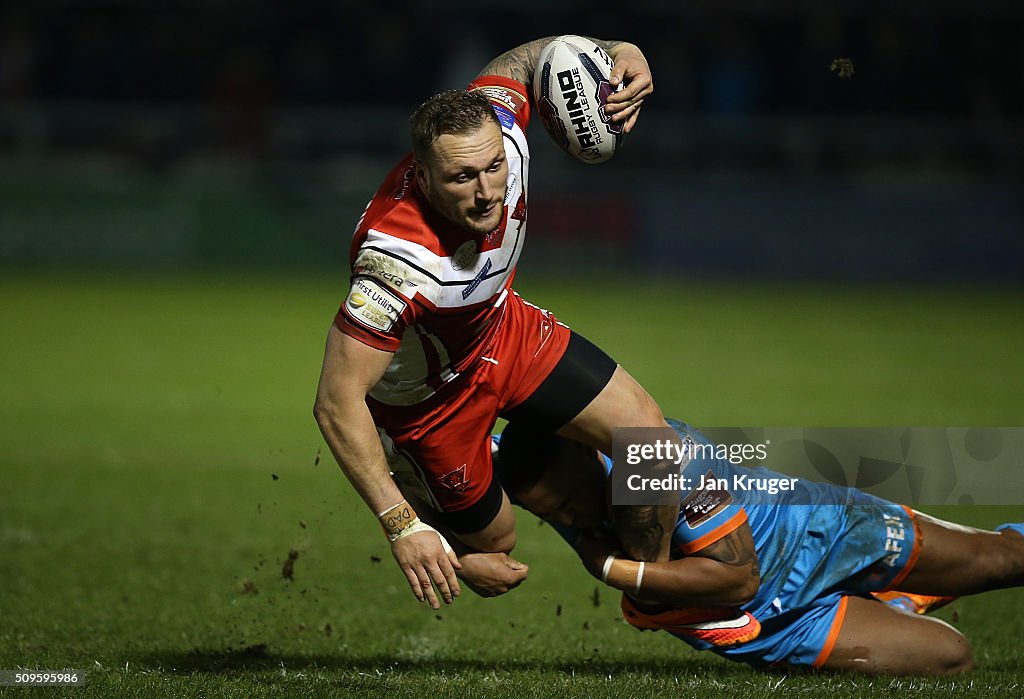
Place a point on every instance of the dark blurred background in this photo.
(202, 134)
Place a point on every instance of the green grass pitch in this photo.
(159, 464)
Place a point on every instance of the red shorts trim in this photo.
(445, 438)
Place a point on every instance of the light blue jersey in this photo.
(816, 543)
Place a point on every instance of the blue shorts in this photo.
(801, 637)
(797, 629)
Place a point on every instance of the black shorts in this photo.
(580, 375)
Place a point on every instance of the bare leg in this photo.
(645, 532)
(499, 535)
(621, 403)
(957, 560)
(876, 639)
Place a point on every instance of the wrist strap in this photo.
(607, 567)
(397, 518)
(623, 574)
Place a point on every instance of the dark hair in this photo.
(525, 455)
(450, 112)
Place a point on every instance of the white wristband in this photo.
(607, 567)
(639, 578)
(418, 526)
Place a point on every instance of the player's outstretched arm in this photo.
(349, 370)
(630, 69)
(723, 573)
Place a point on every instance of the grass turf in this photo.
(160, 464)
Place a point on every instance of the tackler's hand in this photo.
(492, 574)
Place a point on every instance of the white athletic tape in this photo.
(607, 567)
(417, 526)
(444, 543)
(393, 507)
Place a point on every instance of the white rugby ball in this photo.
(570, 88)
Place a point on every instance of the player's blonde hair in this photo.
(449, 112)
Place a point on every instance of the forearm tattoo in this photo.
(608, 46)
(520, 62)
(639, 530)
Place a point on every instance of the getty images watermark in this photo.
(679, 451)
(782, 465)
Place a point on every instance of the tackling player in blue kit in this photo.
(803, 577)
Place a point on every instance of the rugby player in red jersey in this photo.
(431, 344)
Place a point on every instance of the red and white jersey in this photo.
(425, 289)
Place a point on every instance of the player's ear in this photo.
(422, 177)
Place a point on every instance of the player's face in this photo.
(573, 491)
(464, 178)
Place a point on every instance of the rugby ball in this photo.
(570, 89)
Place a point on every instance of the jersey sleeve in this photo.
(375, 312)
(706, 514)
(508, 97)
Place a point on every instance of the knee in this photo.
(954, 657)
(967, 661)
(502, 543)
(648, 407)
(641, 408)
(646, 412)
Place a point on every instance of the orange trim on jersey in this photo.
(723, 530)
(915, 553)
(833, 634)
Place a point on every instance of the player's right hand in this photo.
(423, 560)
